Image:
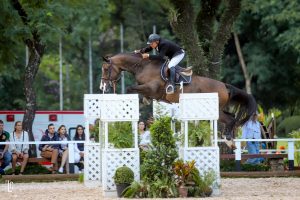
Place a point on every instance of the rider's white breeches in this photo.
(175, 60)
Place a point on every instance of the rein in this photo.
(109, 79)
(112, 82)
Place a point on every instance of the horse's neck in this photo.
(132, 64)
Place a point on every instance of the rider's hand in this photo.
(137, 51)
(145, 55)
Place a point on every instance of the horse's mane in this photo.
(156, 63)
(136, 55)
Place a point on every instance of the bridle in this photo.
(112, 82)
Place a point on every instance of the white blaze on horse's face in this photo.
(102, 85)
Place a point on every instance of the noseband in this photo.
(111, 82)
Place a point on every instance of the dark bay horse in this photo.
(236, 106)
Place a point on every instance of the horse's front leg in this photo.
(137, 89)
(149, 90)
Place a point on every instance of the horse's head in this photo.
(110, 75)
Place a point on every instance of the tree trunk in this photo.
(205, 22)
(183, 24)
(243, 65)
(30, 73)
(36, 49)
(223, 33)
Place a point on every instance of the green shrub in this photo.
(120, 134)
(296, 134)
(30, 169)
(199, 134)
(123, 175)
(288, 125)
(81, 178)
(156, 170)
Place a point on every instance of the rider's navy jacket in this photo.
(165, 48)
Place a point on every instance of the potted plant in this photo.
(182, 171)
(123, 177)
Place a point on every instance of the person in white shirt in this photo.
(251, 130)
(145, 139)
(63, 151)
(19, 151)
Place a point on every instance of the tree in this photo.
(31, 23)
(269, 37)
(204, 31)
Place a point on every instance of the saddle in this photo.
(182, 74)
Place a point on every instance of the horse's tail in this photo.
(243, 105)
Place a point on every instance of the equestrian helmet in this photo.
(152, 38)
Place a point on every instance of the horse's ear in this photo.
(106, 58)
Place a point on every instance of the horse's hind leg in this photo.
(228, 120)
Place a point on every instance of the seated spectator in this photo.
(79, 148)
(144, 136)
(63, 149)
(50, 151)
(5, 155)
(19, 151)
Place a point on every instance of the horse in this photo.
(235, 105)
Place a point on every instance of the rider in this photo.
(165, 48)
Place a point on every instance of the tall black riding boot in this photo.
(171, 87)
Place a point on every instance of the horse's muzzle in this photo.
(104, 87)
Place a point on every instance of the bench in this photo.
(39, 160)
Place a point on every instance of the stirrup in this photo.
(170, 89)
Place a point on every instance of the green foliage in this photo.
(258, 167)
(94, 130)
(268, 33)
(199, 134)
(136, 189)
(183, 170)
(30, 169)
(81, 178)
(123, 175)
(120, 134)
(161, 133)
(229, 166)
(164, 187)
(296, 134)
(200, 186)
(288, 125)
(156, 169)
(267, 118)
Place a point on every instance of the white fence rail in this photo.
(290, 151)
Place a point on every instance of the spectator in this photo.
(79, 148)
(251, 130)
(145, 139)
(5, 155)
(50, 151)
(63, 149)
(19, 151)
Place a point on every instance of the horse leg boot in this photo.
(171, 88)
